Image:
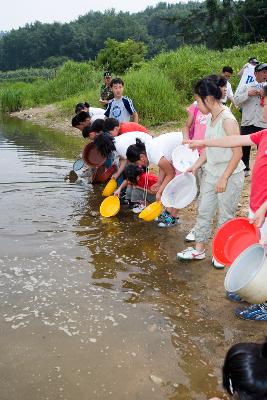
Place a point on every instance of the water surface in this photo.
(91, 308)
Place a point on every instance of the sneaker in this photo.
(247, 173)
(138, 208)
(191, 236)
(216, 264)
(162, 216)
(255, 312)
(168, 221)
(124, 201)
(191, 254)
(233, 297)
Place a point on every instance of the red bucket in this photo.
(233, 238)
(103, 174)
(91, 156)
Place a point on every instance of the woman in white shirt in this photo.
(106, 144)
(158, 151)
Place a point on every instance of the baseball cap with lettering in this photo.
(253, 60)
(261, 67)
(107, 74)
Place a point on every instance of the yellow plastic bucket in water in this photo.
(110, 206)
(151, 212)
(110, 187)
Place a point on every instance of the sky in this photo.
(19, 12)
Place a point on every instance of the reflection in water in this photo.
(91, 308)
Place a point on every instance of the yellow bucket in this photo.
(110, 187)
(110, 206)
(151, 212)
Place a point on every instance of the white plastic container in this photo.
(183, 157)
(248, 275)
(180, 191)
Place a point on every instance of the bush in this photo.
(154, 95)
(118, 57)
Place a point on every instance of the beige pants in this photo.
(226, 203)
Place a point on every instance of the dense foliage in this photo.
(118, 57)
(160, 88)
(217, 24)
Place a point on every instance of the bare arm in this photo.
(135, 117)
(121, 187)
(232, 129)
(260, 215)
(122, 166)
(169, 172)
(103, 102)
(200, 161)
(187, 126)
(226, 142)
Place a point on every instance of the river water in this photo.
(90, 307)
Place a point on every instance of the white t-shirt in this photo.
(97, 116)
(229, 92)
(163, 146)
(96, 113)
(247, 77)
(122, 142)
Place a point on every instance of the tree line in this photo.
(217, 24)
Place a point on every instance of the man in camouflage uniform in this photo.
(106, 93)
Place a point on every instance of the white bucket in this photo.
(180, 191)
(183, 157)
(248, 275)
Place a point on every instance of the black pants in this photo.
(248, 130)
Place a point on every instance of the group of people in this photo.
(223, 163)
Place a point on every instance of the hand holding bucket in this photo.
(232, 238)
(180, 191)
(184, 158)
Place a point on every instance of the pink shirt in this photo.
(258, 193)
(200, 122)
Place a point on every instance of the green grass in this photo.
(27, 74)
(160, 89)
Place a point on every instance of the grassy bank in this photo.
(160, 89)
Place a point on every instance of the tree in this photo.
(120, 56)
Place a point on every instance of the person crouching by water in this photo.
(245, 371)
(106, 144)
(158, 151)
(223, 182)
(138, 183)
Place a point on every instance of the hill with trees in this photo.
(216, 24)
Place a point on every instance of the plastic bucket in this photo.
(248, 275)
(180, 191)
(110, 206)
(110, 188)
(232, 238)
(103, 174)
(183, 157)
(91, 156)
(79, 164)
(151, 212)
